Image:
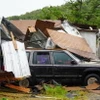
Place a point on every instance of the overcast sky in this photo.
(18, 7)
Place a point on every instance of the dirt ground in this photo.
(11, 94)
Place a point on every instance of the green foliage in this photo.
(55, 91)
(79, 11)
(63, 94)
(4, 99)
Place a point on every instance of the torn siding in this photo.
(70, 29)
(15, 60)
(72, 43)
(90, 37)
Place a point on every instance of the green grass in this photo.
(4, 99)
(56, 91)
(62, 94)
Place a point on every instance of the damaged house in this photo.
(98, 44)
(40, 34)
(14, 57)
(90, 34)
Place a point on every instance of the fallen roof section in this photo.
(4, 34)
(87, 28)
(23, 24)
(74, 44)
(12, 28)
(35, 38)
(42, 25)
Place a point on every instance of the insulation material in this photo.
(50, 44)
(15, 60)
(70, 29)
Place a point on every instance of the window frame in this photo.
(60, 52)
(34, 58)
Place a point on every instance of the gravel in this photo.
(93, 96)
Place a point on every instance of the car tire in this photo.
(32, 80)
(24, 83)
(91, 78)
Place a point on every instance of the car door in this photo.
(41, 64)
(63, 67)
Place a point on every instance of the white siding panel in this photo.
(90, 37)
(15, 60)
(70, 29)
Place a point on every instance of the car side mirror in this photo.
(73, 62)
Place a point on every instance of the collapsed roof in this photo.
(12, 28)
(72, 43)
(4, 35)
(45, 29)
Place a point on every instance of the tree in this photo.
(75, 11)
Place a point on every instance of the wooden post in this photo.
(14, 41)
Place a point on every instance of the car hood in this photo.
(90, 63)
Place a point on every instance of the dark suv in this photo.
(61, 66)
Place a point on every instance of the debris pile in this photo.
(14, 63)
(44, 35)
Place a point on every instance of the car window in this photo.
(61, 58)
(42, 58)
(27, 53)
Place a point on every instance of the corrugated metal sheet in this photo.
(72, 43)
(15, 60)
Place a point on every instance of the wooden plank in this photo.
(14, 41)
(6, 76)
(93, 86)
(95, 91)
(19, 88)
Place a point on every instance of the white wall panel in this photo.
(15, 60)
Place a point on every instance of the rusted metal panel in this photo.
(42, 25)
(72, 43)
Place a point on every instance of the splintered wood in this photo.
(6, 76)
(19, 88)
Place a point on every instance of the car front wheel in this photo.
(91, 78)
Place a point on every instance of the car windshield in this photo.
(74, 57)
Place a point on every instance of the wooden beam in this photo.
(14, 41)
(19, 88)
